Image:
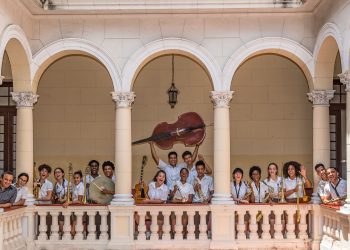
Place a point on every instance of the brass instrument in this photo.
(283, 198)
(87, 172)
(182, 197)
(298, 204)
(200, 192)
(249, 191)
(341, 198)
(36, 182)
(70, 175)
(305, 197)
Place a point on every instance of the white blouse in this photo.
(158, 193)
(275, 184)
(238, 190)
(183, 190)
(290, 184)
(259, 192)
(77, 190)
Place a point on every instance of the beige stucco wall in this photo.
(271, 119)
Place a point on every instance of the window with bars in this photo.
(337, 127)
(7, 129)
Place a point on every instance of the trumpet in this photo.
(283, 198)
(36, 183)
(70, 175)
(87, 171)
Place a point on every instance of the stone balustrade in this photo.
(170, 226)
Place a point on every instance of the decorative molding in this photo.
(24, 99)
(123, 99)
(345, 79)
(221, 99)
(1, 79)
(321, 97)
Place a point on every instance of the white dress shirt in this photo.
(238, 191)
(335, 191)
(158, 193)
(172, 173)
(77, 190)
(183, 190)
(21, 193)
(275, 184)
(206, 186)
(45, 187)
(290, 184)
(259, 192)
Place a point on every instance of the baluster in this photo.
(329, 226)
(54, 227)
(265, 223)
(91, 227)
(79, 226)
(278, 227)
(142, 229)
(191, 227)
(325, 224)
(203, 225)
(338, 231)
(290, 225)
(303, 225)
(66, 227)
(42, 226)
(240, 225)
(6, 234)
(12, 229)
(178, 226)
(253, 225)
(154, 225)
(333, 227)
(104, 226)
(166, 225)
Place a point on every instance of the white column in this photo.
(221, 101)
(24, 137)
(345, 79)
(320, 126)
(123, 157)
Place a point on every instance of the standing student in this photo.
(260, 189)
(22, 190)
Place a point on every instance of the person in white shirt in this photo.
(335, 189)
(60, 188)
(94, 168)
(22, 190)
(77, 193)
(295, 179)
(189, 160)
(46, 187)
(239, 188)
(321, 172)
(202, 184)
(183, 191)
(158, 191)
(273, 181)
(172, 168)
(260, 189)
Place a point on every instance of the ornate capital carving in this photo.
(24, 99)
(321, 97)
(221, 99)
(1, 79)
(345, 79)
(123, 99)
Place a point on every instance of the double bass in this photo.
(189, 129)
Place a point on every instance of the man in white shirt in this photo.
(172, 168)
(22, 190)
(321, 172)
(202, 184)
(335, 188)
(189, 160)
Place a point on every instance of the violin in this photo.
(141, 189)
(189, 129)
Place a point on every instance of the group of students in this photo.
(49, 193)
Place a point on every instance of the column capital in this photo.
(345, 79)
(321, 97)
(24, 99)
(1, 79)
(221, 99)
(123, 99)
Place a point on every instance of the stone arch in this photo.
(72, 46)
(329, 42)
(171, 46)
(14, 41)
(280, 46)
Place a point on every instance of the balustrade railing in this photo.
(11, 237)
(253, 226)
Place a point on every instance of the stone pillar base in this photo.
(222, 199)
(122, 200)
(223, 227)
(122, 227)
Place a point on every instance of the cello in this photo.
(189, 129)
